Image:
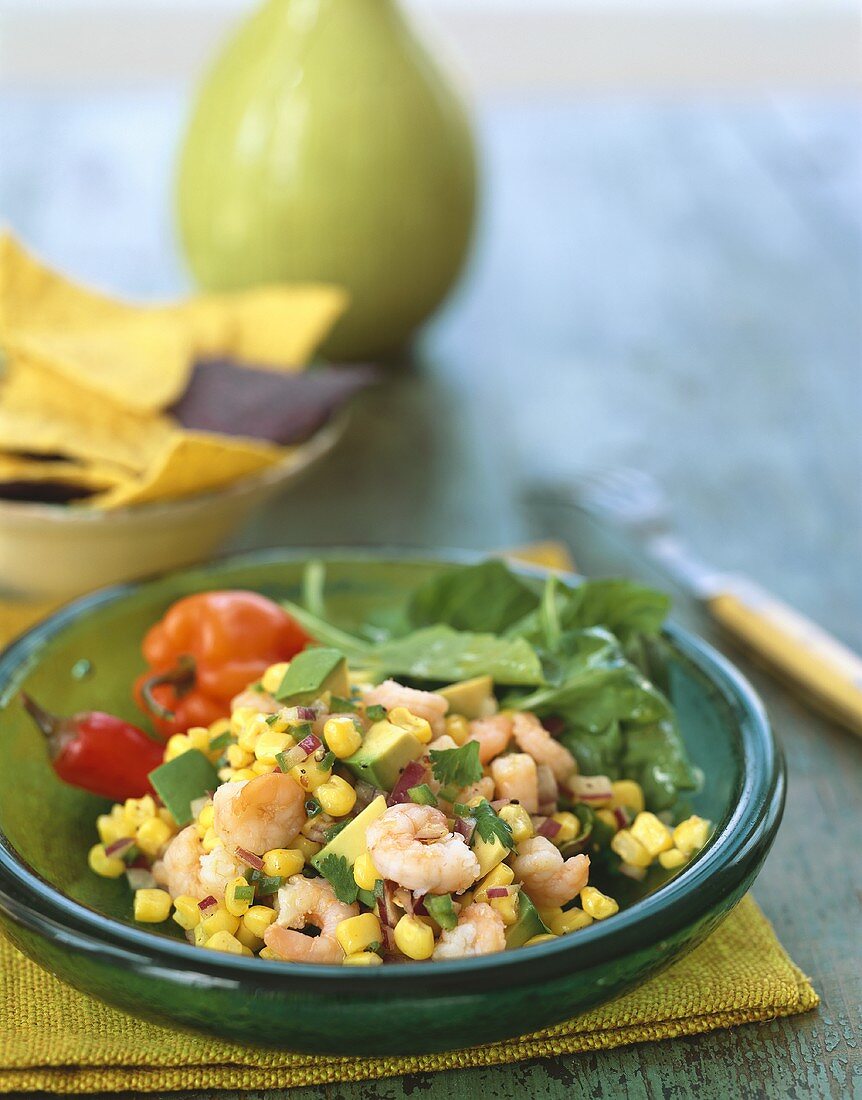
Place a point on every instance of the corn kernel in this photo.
(241, 718)
(549, 914)
(199, 936)
(543, 937)
(607, 817)
(138, 810)
(419, 727)
(502, 875)
(238, 757)
(570, 827)
(507, 907)
(342, 737)
(310, 775)
(630, 849)
(164, 814)
(206, 816)
(283, 862)
(356, 933)
(176, 746)
(199, 736)
(307, 847)
(218, 727)
(224, 941)
(225, 774)
(254, 728)
(259, 768)
(598, 905)
(625, 792)
(257, 919)
(413, 938)
(242, 775)
(458, 728)
(268, 953)
(519, 821)
(152, 906)
(362, 958)
(237, 906)
(220, 921)
(673, 857)
(111, 830)
(570, 921)
(248, 939)
(271, 679)
(270, 743)
(104, 865)
(187, 913)
(652, 833)
(691, 835)
(337, 797)
(152, 836)
(210, 841)
(365, 874)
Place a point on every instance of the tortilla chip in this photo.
(137, 356)
(43, 412)
(54, 481)
(191, 463)
(277, 327)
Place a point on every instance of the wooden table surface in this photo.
(672, 286)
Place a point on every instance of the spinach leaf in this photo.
(443, 654)
(486, 598)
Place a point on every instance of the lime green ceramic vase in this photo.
(325, 144)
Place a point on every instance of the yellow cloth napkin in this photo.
(54, 1039)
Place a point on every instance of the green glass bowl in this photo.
(80, 928)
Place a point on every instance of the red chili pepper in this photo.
(208, 648)
(98, 752)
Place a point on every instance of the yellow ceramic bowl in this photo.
(50, 551)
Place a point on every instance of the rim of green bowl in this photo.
(732, 855)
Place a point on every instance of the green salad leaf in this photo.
(485, 599)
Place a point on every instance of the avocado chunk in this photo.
(383, 754)
(473, 698)
(183, 780)
(528, 924)
(488, 852)
(350, 842)
(312, 672)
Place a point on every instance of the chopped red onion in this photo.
(498, 891)
(140, 878)
(466, 827)
(549, 828)
(404, 898)
(623, 817)
(590, 788)
(554, 724)
(208, 906)
(120, 846)
(365, 794)
(630, 871)
(299, 714)
(310, 744)
(412, 776)
(249, 859)
(419, 909)
(292, 757)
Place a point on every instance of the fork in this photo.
(793, 647)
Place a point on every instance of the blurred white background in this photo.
(626, 45)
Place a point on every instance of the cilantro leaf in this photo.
(340, 874)
(489, 825)
(457, 767)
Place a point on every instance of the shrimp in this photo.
(259, 814)
(480, 931)
(423, 704)
(412, 845)
(493, 735)
(546, 876)
(256, 700)
(303, 901)
(484, 788)
(218, 868)
(179, 869)
(515, 776)
(532, 737)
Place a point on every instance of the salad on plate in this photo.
(477, 770)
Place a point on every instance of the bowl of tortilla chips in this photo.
(137, 438)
